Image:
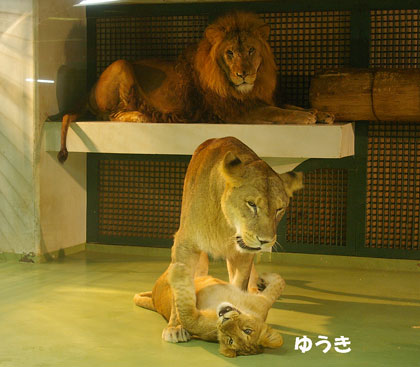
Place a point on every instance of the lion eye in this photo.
(230, 341)
(252, 206)
(251, 50)
(229, 53)
(247, 331)
(280, 211)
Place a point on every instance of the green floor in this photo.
(78, 312)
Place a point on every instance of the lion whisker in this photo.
(279, 247)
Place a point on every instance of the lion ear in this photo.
(292, 181)
(232, 169)
(271, 338)
(214, 34)
(264, 31)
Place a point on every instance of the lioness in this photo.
(229, 76)
(231, 205)
(217, 311)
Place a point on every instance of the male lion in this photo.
(231, 205)
(217, 311)
(229, 77)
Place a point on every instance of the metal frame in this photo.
(356, 166)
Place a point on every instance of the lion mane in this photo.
(206, 92)
(215, 87)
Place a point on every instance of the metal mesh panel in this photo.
(304, 42)
(393, 193)
(140, 198)
(395, 38)
(317, 214)
(393, 189)
(134, 38)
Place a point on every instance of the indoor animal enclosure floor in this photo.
(78, 312)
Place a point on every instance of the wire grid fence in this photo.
(302, 42)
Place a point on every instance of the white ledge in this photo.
(286, 141)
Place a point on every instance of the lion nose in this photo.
(242, 74)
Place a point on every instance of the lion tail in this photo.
(144, 300)
(68, 118)
(84, 106)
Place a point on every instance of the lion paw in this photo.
(175, 334)
(128, 116)
(309, 119)
(269, 278)
(303, 117)
(325, 117)
(261, 284)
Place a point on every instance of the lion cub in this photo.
(217, 310)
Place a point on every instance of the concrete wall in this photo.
(61, 57)
(41, 39)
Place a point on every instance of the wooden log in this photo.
(368, 94)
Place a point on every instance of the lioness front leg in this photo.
(200, 323)
(174, 331)
(182, 253)
(239, 268)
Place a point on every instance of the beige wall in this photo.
(41, 39)
(61, 54)
(18, 209)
